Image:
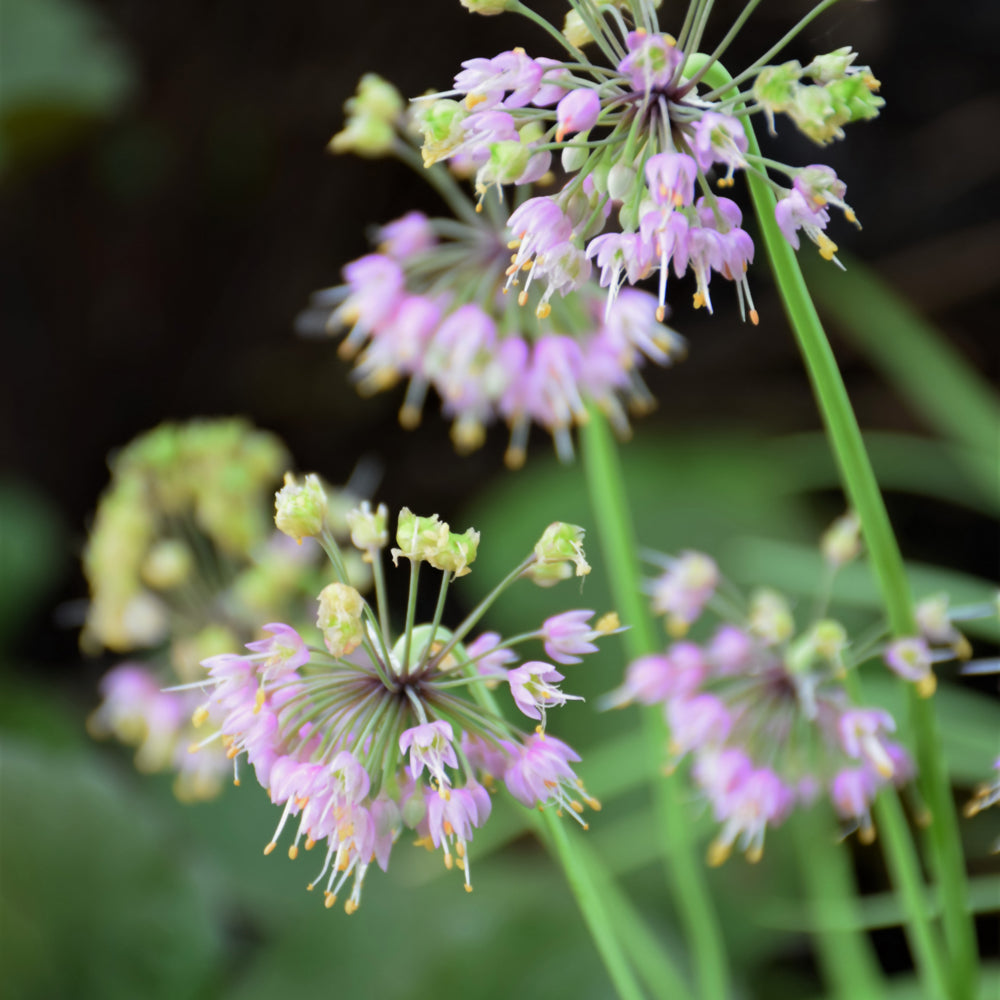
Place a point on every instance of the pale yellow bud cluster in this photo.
(373, 114)
(428, 539)
(770, 617)
(339, 618)
(300, 508)
(559, 554)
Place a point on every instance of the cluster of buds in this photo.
(182, 562)
(764, 710)
(430, 308)
(639, 133)
(376, 731)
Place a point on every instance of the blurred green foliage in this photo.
(61, 69)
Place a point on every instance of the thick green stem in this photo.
(590, 886)
(685, 870)
(844, 952)
(862, 489)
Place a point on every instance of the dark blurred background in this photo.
(167, 207)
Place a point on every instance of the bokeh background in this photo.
(166, 208)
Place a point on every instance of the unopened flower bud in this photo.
(771, 617)
(841, 542)
(831, 66)
(440, 123)
(372, 115)
(369, 528)
(457, 553)
(419, 538)
(575, 31)
(300, 509)
(508, 160)
(485, 7)
(560, 545)
(168, 564)
(775, 86)
(621, 182)
(339, 618)
(854, 97)
(574, 156)
(577, 112)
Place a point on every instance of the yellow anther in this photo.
(329, 900)
(200, 715)
(310, 887)
(926, 686)
(608, 623)
(754, 317)
(270, 847)
(258, 701)
(577, 807)
(460, 865)
(449, 861)
(310, 843)
(409, 417)
(293, 852)
(755, 853)
(661, 313)
(827, 248)
(513, 245)
(718, 852)
(522, 297)
(543, 310)
(232, 752)
(236, 782)
(699, 300)
(194, 747)
(866, 834)
(514, 457)
(350, 907)
(527, 265)
(460, 849)
(594, 804)
(468, 888)
(448, 828)
(471, 100)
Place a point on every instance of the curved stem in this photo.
(862, 489)
(685, 870)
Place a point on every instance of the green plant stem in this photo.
(863, 491)
(685, 870)
(844, 952)
(593, 889)
(594, 912)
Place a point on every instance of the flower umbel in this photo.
(376, 732)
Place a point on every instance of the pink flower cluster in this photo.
(508, 106)
(309, 726)
(468, 352)
(135, 710)
(734, 705)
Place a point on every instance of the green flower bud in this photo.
(574, 156)
(832, 66)
(485, 7)
(621, 182)
(854, 99)
(369, 529)
(817, 115)
(770, 617)
(440, 123)
(575, 31)
(841, 542)
(299, 511)
(560, 545)
(775, 86)
(418, 538)
(339, 618)
(457, 553)
(508, 160)
(372, 116)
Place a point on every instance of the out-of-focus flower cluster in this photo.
(183, 562)
(766, 711)
(378, 730)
